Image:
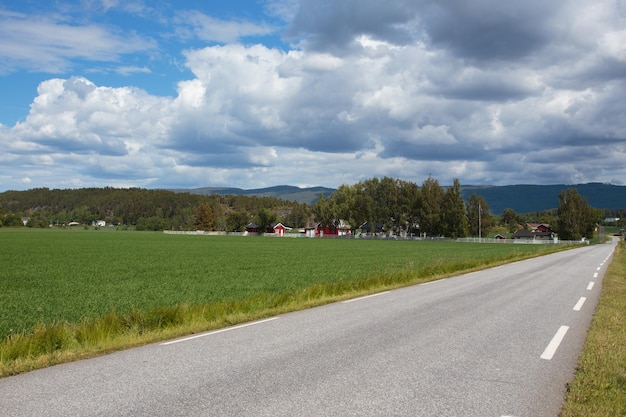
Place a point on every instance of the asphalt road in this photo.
(501, 342)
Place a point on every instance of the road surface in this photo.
(500, 342)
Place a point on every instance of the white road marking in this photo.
(598, 268)
(595, 275)
(227, 329)
(367, 296)
(590, 286)
(580, 303)
(554, 343)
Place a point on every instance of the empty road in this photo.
(500, 342)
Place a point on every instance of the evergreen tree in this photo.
(205, 217)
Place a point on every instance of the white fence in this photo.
(382, 237)
(524, 241)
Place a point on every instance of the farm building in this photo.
(321, 230)
(277, 229)
(533, 235)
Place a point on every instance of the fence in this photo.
(524, 241)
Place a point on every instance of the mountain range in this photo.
(521, 198)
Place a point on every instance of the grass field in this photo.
(599, 387)
(66, 290)
(66, 275)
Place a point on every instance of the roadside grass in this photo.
(68, 295)
(599, 386)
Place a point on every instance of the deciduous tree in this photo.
(453, 217)
(264, 219)
(575, 216)
(431, 200)
(478, 215)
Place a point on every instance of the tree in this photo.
(510, 219)
(575, 217)
(12, 220)
(478, 214)
(431, 195)
(453, 218)
(325, 211)
(264, 219)
(236, 221)
(205, 217)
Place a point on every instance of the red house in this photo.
(277, 229)
(320, 230)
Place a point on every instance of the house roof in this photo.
(530, 234)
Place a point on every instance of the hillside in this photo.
(521, 198)
(531, 198)
(283, 192)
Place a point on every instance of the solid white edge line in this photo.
(227, 329)
(554, 343)
(580, 303)
(367, 296)
(590, 286)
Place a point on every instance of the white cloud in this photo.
(387, 92)
(130, 70)
(44, 44)
(193, 23)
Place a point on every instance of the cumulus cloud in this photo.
(488, 92)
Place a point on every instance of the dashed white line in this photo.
(580, 303)
(598, 268)
(367, 296)
(227, 329)
(590, 286)
(554, 344)
(595, 275)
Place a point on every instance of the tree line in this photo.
(142, 209)
(378, 205)
(397, 207)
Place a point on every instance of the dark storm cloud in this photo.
(476, 30)
(330, 25)
(486, 29)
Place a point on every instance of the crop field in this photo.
(65, 276)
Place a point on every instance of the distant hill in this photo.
(521, 198)
(531, 198)
(284, 192)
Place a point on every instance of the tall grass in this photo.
(69, 295)
(599, 387)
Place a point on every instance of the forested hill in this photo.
(532, 198)
(283, 192)
(521, 198)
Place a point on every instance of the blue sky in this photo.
(185, 94)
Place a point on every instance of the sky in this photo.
(252, 94)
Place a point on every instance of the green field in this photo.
(62, 275)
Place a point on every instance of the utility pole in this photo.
(480, 210)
